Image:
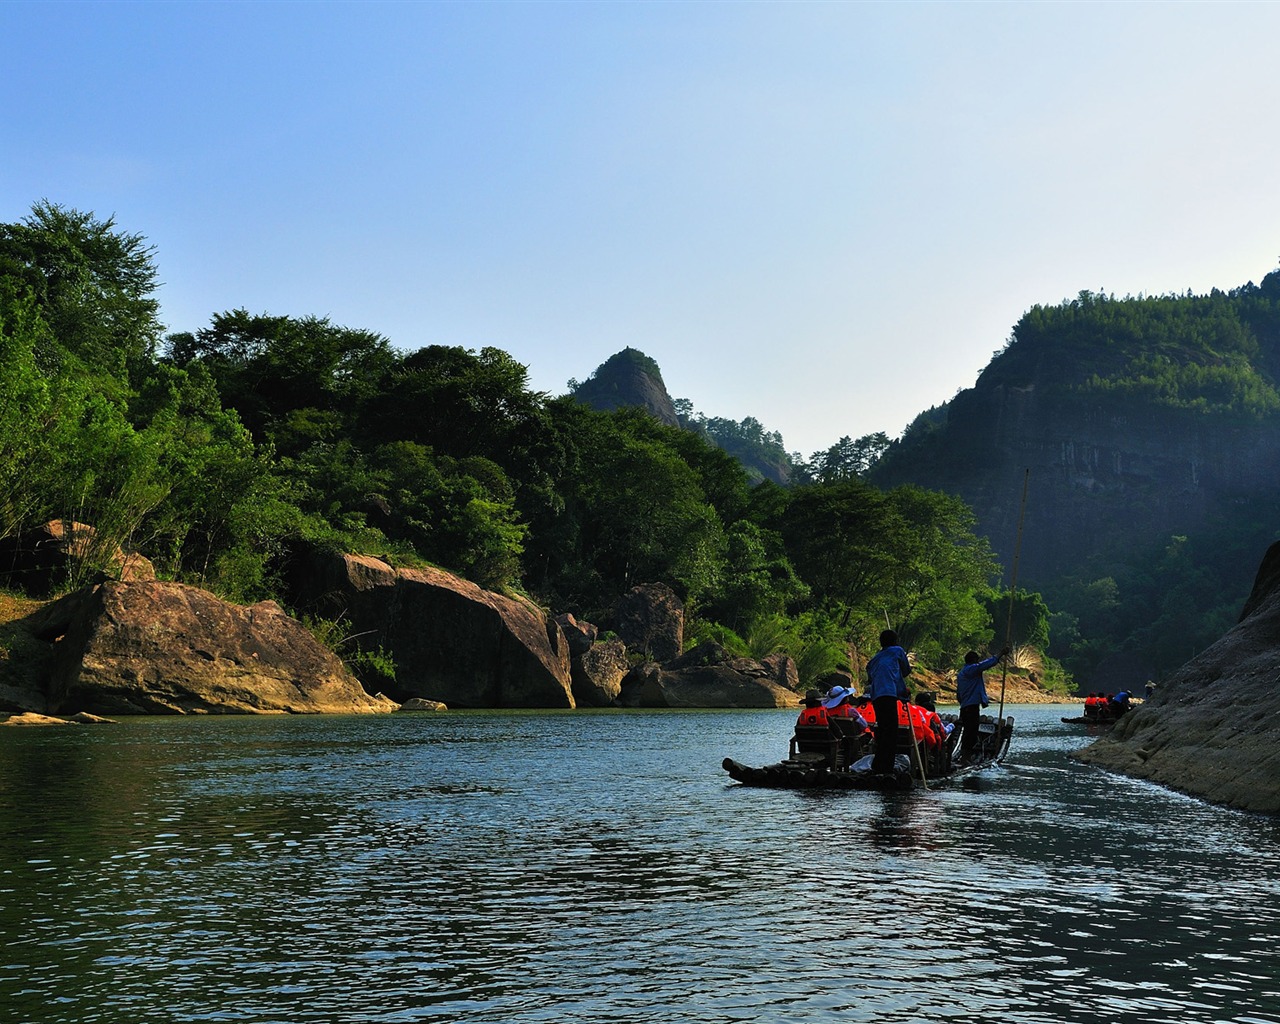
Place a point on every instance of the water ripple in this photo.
(599, 867)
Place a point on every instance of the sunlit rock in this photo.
(1212, 729)
(167, 648)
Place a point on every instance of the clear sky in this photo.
(823, 215)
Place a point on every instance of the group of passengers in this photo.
(887, 700)
(1106, 705)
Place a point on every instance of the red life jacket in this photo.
(919, 723)
(813, 716)
(868, 713)
(845, 710)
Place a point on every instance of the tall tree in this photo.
(93, 284)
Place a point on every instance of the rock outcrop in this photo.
(167, 648)
(708, 676)
(1212, 729)
(420, 704)
(596, 667)
(39, 561)
(451, 640)
(649, 619)
(598, 673)
(629, 379)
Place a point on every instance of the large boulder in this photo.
(782, 670)
(451, 641)
(41, 560)
(1212, 729)
(167, 648)
(580, 635)
(455, 642)
(649, 619)
(596, 666)
(707, 676)
(598, 672)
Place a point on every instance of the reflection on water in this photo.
(600, 867)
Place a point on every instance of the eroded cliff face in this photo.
(1213, 727)
(629, 379)
(1103, 478)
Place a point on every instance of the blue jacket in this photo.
(885, 672)
(971, 688)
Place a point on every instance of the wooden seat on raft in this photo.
(817, 744)
(855, 741)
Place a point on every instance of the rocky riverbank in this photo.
(1212, 729)
(137, 645)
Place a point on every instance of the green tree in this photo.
(634, 511)
(907, 556)
(28, 412)
(223, 518)
(293, 381)
(93, 285)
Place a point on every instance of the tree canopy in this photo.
(217, 453)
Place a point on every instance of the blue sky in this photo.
(826, 216)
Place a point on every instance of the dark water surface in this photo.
(601, 867)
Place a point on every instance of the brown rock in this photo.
(32, 718)
(421, 704)
(455, 642)
(166, 648)
(598, 673)
(705, 677)
(1212, 729)
(50, 556)
(782, 670)
(451, 641)
(581, 635)
(649, 619)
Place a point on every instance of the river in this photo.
(601, 867)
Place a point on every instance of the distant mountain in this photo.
(627, 379)
(632, 379)
(1138, 418)
(1150, 428)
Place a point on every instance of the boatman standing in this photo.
(971, 692)
(886, 673)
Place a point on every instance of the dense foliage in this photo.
(1193, 353)
(213, 451)
(1202, 367)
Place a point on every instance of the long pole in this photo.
(1013, 587)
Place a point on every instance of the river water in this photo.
(582, 866)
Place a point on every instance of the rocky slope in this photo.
(1213, 728)
(1138, 419)
(628, 379)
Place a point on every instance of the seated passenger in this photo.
(926, 721)
(839, 704)
(814, 713)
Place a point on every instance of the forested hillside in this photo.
(1151, 427)
(218, 451)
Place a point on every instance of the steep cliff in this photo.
(1137, 418)
(1212, 728)
(628, 378)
